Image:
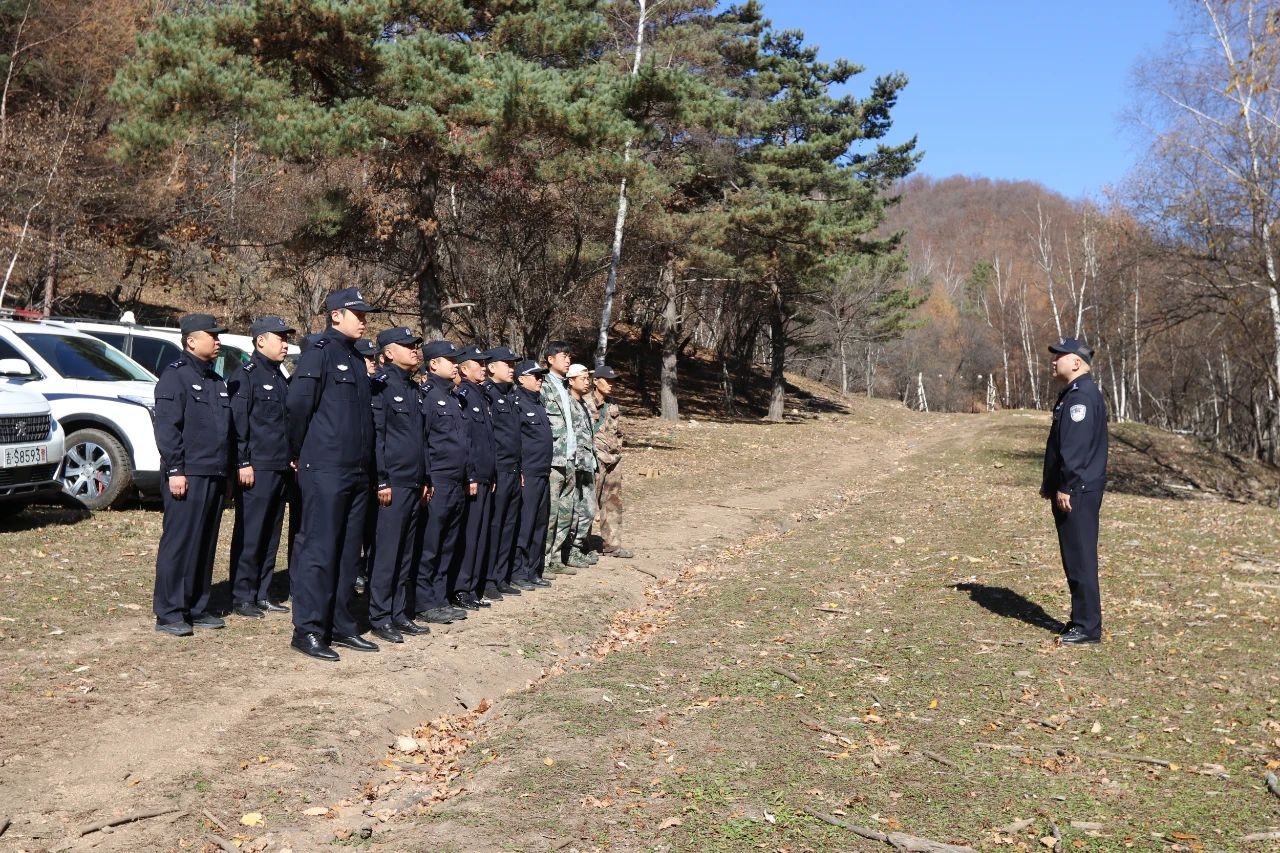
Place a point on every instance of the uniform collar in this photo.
(263, 361)
(205, 368)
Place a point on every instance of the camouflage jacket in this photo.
(608, 428)
(562, 437)
(584, 429)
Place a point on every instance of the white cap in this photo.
(576, 370)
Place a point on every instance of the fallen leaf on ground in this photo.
(252, 819)
(316, 811)
(670, 822)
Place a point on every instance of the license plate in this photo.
(17, 457)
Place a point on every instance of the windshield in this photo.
(76, 357)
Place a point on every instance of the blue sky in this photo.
(1018, 89)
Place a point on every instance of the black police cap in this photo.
(529, 367)
(473, 353)
(604, 371)
(269, 323)
(350, 298)
(398, 335)
(501, 354)
(440, 349)
(365, 347)
(1071, 346)
(200, 323)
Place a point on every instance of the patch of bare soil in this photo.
(230, 738)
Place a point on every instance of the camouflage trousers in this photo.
(584, 510)
(609, 504)
(563, 486)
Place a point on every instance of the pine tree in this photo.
(409, 92)
(806, 204)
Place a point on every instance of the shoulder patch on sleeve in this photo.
(321, 344)
(249, 366)
(1078, 412)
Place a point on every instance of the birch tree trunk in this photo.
(620, 221)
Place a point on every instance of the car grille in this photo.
(27, 474)
(15, 430)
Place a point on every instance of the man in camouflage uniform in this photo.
(607, 423)
(561, 481)
(584, 498)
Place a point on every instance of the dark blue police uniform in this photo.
(448, 472)
(535, 497)
(1075, 462)
(331, 437)
(259, 396)
(473, 560)
(505, 521)
(399, 449)
(193, 432)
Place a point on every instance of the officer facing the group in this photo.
(331, 439)
(505, 521)
(193, 432)
(536, 447)
(258, 392)
(472, 563)
(448, 472)
(1075, 476)
(401, 475)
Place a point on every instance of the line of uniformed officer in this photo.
(449, 477)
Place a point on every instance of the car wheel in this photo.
(98, 469)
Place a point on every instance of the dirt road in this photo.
(103, 719)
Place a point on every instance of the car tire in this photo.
(98, 470)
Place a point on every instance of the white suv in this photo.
(31, 448)
(104, 401)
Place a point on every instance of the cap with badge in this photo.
(472, 352)
(576, 370)
(348, 298)
(501, 354)
(440, 349)
(402, 335)
(1071, 346)
(192, 323)
(604, 371)
(270, 323)
(529, 367)
(366, 348)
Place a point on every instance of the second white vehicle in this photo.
(31, 448)
(103, 400)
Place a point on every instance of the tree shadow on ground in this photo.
(1003, 601)
(63, 514)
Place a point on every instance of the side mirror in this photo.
(14, 367)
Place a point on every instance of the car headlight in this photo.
(142, 401)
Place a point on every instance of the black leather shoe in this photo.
(250, 611)
(524, 586)
(465, 601)
(312, 646)
(1076, 637)
(408, 626)
(388, 633)
(492, 593)
(207, 620)
(174, 629)
(438, 615)
(272, 606)
(507, 589)
(355, 643)
(484, 601)
(459, 613)
(540, 582)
